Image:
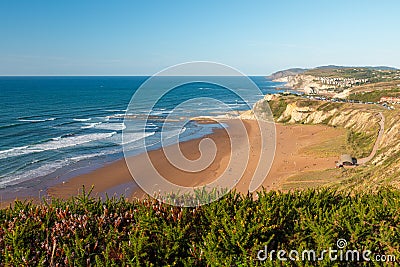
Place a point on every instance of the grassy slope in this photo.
(358, 143)
(375, 95)
(385, 168)
(84, 231)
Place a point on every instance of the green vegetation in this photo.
(307, 103)
(374, 96)
(277, 107)
(373, 75)
(84, 231)
(360, 144)
(360, 130)
(330, 148)
(312, 179)
(357, 73)
(328, 106)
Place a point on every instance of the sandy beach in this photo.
(290, 141)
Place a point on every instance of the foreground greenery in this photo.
(85, 231)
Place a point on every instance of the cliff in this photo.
(306, 83)
(285, 73)
(362, 124)
(337, 81)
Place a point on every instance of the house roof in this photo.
(346, 158)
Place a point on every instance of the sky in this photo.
(102, 37)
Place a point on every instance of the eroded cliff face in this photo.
(295, 114)
(383, 169)
(311, 85)
(358, 120)
(355, 117)
(261, 110)
(300, 81)
(349, 117)
(306, 83)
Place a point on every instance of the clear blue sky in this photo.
(99, 37)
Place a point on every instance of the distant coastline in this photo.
(104, 124)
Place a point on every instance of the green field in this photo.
(374, 96)
(373, 75)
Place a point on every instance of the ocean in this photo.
(53, 128)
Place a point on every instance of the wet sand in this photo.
(290, 140)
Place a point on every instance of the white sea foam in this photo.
(116, 110)
(236, 104)
(48, 168)
(37, 120)
(117, 115)
(87, 119)
(4, 153)
(90, 125)
(117, 126)
(54, 144)
(150, 126)
(114, 116)
(160, 112)
(93, 155)
(26, 175)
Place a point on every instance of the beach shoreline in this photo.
(115, 179)
(98, 179)
(288, 160)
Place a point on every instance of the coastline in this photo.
(99, 178)
(289, 160)
(114, 178)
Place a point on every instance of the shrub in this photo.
(84, 231)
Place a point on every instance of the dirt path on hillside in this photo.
(378, 140)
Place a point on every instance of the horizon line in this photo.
(122, 75)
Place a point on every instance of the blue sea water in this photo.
(52, 125)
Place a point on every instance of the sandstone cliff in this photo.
(309, 84)
(362, 125)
